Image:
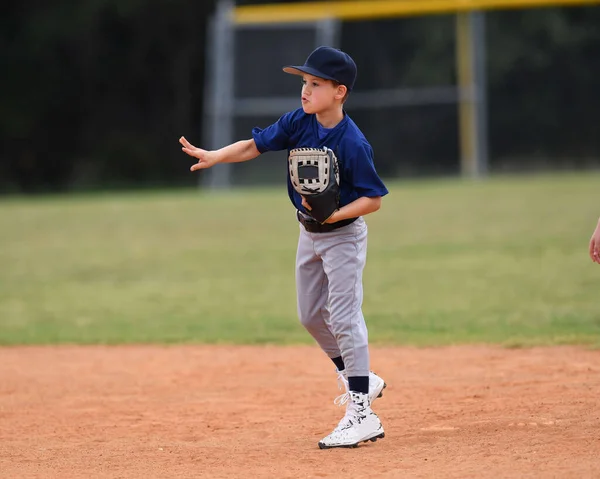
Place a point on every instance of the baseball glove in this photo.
(314, 173)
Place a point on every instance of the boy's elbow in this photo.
(254, 151)
(376, 203)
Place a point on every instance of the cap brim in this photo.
(301, 70)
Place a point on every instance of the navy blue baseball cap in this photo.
(329, 63)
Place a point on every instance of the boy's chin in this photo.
(307, 109)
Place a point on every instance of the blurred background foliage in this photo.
(95, 93)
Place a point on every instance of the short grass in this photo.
(450, 261)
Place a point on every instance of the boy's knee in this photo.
(306, 319)
(310, 317)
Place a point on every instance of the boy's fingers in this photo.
(305, 204)
(197, 166)
(187, 150)
(595, 252)
(185, 143)
(197, 153)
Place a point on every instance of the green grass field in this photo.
(450, 261)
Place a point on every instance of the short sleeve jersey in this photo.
(297, 129)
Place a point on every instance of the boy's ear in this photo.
(341, 91)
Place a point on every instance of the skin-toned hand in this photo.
(331, 219)
(305, 204)
(360, 207)
(206, 158)
(595, 244)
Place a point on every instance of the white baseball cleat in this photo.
(376, 387)
(360, 424)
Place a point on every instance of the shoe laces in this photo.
(354, 415)
(341, 399)
(342, 385)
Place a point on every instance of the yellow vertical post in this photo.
(472, 109)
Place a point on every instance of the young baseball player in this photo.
(333, 184)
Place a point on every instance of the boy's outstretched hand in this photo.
(595, 244)
(206, 158)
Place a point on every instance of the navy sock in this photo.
(359, 384)
(339, 363)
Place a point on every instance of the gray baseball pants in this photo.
(329, 269)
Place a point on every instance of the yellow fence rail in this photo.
(365, 9)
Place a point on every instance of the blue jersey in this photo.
(297, 129)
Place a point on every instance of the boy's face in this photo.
(320, 95)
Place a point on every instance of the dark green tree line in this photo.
(96, 91)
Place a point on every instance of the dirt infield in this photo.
(254, 412)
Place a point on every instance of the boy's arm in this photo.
(236, 152)
(360, 207)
